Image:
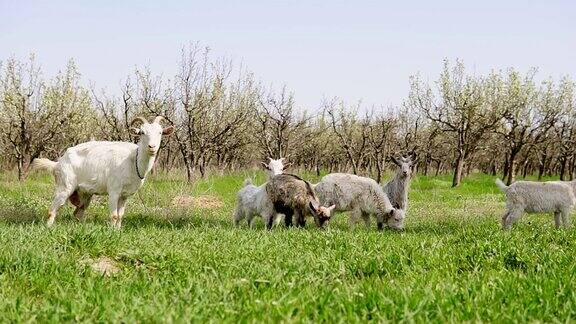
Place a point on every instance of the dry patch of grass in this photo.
(103, 265)
(203, 201)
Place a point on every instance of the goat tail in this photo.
(501, 185)
(247, 181)
(43, 164)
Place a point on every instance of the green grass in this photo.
(453, 263)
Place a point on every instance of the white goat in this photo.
(275, 167)
(538, 197)
(98, 168)
(252, 200)
(362, 196)
(397, 188)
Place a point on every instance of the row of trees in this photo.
(501, 123)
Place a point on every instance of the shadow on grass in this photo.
(20, 215)
(25, 215)
(439, 228)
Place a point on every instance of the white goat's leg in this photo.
(269, 220)
(278, 219)
(59, 200)
(113, 198)
(121, 209)
(557, 219)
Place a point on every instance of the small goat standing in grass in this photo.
(295, 198)
(397, 188)
(98, 168)
(556, 197)
(361, 196)
(252, 200)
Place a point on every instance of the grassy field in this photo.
(179, 258)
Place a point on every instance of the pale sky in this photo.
(355, 50)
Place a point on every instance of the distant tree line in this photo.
(502, 123)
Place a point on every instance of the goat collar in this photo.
(137, 169)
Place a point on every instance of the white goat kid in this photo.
(98, 168)
(361, 196)
(556, 197)
(252, 200)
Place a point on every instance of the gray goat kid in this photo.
(538, 197)
(397, 188)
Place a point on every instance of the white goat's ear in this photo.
(135, 131)
(265, 165)
(168, 131)
(331, 208)
(286, 166)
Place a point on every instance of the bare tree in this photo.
(525, 120)
(461, 111)
(351, 132)
(278, 123)
(380, 140)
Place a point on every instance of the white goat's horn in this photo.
(139, 118)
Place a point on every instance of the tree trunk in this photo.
(378, 172)
(572, 167)
(562, 168)
(526, 167)
(511, 170)
(506, 167)
(458, 171)
(20, 168)
(426, 165)
(542, 166)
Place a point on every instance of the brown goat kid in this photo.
(295, 198)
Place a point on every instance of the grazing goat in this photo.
(397, 188)
(98, 168)
(252, 200)
(362, 196)
(295, 198)
(556, 197)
